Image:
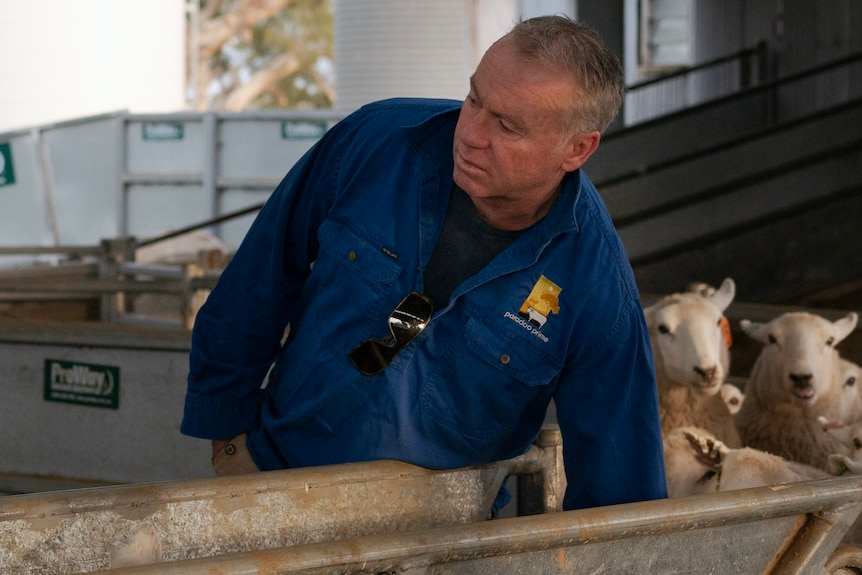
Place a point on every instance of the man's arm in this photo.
(239, 330)
(607, 409)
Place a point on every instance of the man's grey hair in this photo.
(559, 42)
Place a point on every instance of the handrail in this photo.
(201, 225)
(761, 87)
(745, 52)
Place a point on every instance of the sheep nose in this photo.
(706, 373)
(800, 380)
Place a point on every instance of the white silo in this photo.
(386, 48)
(62, 59)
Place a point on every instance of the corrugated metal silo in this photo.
(386, 48)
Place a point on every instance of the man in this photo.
(443, 274)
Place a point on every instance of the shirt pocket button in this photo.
(505, 359)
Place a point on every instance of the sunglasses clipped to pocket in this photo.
(405, 322)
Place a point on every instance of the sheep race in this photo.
(795, 416)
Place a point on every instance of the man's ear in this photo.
(579, 149)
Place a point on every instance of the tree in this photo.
(253, 54)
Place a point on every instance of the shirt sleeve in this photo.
(607, 408)
(239, 330)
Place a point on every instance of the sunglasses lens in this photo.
(410, 317)
(405, 322)
(372, 356)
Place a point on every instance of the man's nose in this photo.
(476, 130)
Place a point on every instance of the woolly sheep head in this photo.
(696, 463)
(692, 461)
(851, 436)
(732, 396)
(798, 361)
(690, 337)
(851, 401)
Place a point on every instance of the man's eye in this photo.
(506, 128)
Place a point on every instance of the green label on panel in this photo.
(7, 171)
(302, 129)
(82, 383)
(162, 130)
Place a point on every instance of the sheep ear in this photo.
(755, 330)
(649, 312)
(724, 294)
(845, 326)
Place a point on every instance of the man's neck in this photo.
(505, 214)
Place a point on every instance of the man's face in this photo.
(509, 147)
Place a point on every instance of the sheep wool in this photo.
(797, 377)
(692, 360)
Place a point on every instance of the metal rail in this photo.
(73, 531)
(789, 529)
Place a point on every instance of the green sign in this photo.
(162, 130)
(7, 170)
(302, 129)
(82, 383)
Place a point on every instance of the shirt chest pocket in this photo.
(351, 283)
(511, 355)
(481, 389)
(357, 254)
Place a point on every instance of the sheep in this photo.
(697, 463)
(851, 436)
(732, 396)
(796, 377)
(851, 401)
(690, 341)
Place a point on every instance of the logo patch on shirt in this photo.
(544, 300)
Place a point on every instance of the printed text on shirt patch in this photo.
(544, 299)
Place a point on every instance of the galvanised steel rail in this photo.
(793, 529)
(76, 531)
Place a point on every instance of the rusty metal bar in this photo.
(819, 536)
(73, 531)
(745, 532)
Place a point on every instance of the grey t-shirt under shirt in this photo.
(467, 243)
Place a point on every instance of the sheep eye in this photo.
(857, 443)
(772, 339)
(830, 341)
(663, 329)
(851, 381)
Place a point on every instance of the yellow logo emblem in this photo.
(544, 300)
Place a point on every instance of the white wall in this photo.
(63, 59)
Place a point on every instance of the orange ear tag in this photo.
(725, 331)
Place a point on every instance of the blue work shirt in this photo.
(340, 242)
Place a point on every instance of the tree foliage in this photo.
(254, 54)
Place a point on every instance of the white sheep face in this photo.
(799, 353)
(850, 378)
(732, 396)
(691, 469)
(689, 340)
(851, 436)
